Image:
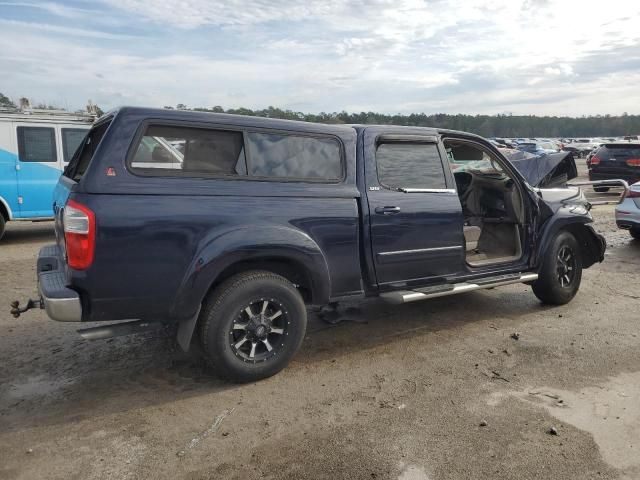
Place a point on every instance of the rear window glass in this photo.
(189, 151)
(410, 165)
(71, 140)
(37, 144)
(632, 151)
(294, 156)
(82, 157)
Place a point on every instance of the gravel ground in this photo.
(430, 390)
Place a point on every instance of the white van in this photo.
(35, 146)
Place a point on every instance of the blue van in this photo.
(35, 146)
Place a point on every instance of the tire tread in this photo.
(215, 299)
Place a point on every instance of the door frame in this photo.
(372, 183)
(530, 207)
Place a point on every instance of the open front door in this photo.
(416, 219)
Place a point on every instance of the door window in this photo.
(410, 165)
(37, 144)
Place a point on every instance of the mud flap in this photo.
(185, 331)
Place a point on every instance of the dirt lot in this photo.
(429, 390)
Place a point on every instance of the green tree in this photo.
(487, 125)
(6, 101)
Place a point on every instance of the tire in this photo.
(601, 189)
(244, 348)
(635, 232)
(3, 223)
(560, 272)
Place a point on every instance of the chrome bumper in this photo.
(60, 302)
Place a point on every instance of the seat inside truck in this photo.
(491, 204)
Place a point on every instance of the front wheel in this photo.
(635, 232)
(2, 225)
(560, 271)
(252, 325)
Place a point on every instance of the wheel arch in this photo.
(592, 245)
(5, 210)
(285, 251)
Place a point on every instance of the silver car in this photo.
(628, 212)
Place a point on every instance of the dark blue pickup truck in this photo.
(229, 226)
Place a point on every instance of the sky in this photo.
(540, 57)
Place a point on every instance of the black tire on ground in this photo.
(2, 225)
(560, 272)
(600, 189)
(635, 233)
(251, 325)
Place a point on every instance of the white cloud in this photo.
(559, 70)
(473, 56)
(62, 30)
(51, 7)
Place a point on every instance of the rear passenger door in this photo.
(416, 218)
(37, 169)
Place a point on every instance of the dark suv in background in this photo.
(615, 161)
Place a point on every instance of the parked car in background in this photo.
(581, 147)
(35, 145)
(628, 212)
(504, 142)
(548, 147)
(263, 216)
(615, 161)
(529, 147)
(538, 148)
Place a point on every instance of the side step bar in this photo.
(406, 296)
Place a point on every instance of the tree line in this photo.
(485, 125)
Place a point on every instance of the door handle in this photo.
(388, 210)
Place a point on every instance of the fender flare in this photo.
(7, 208)
(593, 245)
(222, 249)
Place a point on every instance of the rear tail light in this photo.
(594, 161)
(79, 224)
(633, 162)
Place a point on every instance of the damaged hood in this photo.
(545, 170)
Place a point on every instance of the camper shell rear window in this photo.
(84, 154)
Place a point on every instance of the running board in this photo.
(406, 296)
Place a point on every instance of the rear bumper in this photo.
(629, 177)
(628, 225)
(628, 214)
(60, 302)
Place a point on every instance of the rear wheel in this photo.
(560, 272)
(635, 232)
(252, 325)
(2, 225)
